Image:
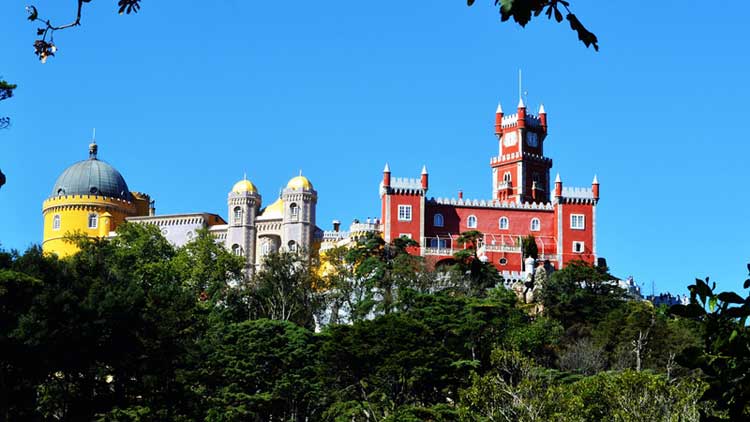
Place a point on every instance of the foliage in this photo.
(474, 273)
(6, 91)
(529, 247)
(724, 357)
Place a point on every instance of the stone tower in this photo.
(243, 202)
(298, 224)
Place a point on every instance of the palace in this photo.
(92, 197)
(561, 219)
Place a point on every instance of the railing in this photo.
(438, 251)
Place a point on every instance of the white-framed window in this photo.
(292, 246)
(93, 220)
(577, 221)
(265, 249)
(506, 177)
(407, 235)
(294, 211)
(56, 222)
(437, 220)
(237, 215)
(236, 250)
(471, 222)
(579, 247)
(503, 261)
(535, 225)
(503, 223)
(404, 213)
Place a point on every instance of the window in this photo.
(506, 177)
(294, 211)
(535, 225)
(265, 249)
(236, 250)
(56, 222)
(437, 220)
(577, 221)
(292, 246)
(237, 215)
(503, 261)
(93, 221)
(439, 243)
(407, 235)
(404, 213)
(471, 222)
(578, 247)
(503, 223)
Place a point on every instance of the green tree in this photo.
(724, 357)
(529, 247)
(476, 274)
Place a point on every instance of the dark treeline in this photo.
(133, 329)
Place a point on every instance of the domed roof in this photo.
(299, 182)
(243, 186)
(92, 177)
(275, 210)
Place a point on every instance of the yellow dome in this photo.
(274, 210)
(299, 182)
(244, 186)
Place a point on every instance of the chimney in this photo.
(460, 194)
(336, 225)
(558, 186)
(424, 177)
(498, 119)
(543, 117)
(152, 208)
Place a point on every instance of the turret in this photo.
(424, 178)
(595, 188)
(498, 118)
(521, 113)
(558, 186)
(243, 203)
(387, 176)
(543, 117)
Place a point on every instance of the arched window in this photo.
(265, 249)
(236, 250)
(93, 220)
(471, 222)
(56, 222)
(535, 225)
(294, 211)
(506, 177)
(292, 246)
(437, 220)
(237, 215)
(503, 223)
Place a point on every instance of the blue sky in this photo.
(186, 100)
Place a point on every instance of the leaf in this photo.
(730, 297)
(584, 35)
(712, 303)
(33, 13)
(687, 311)
(40, 31)
(747, 284)
(558, 16)
(469, 2)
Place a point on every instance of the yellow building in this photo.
(89, 197)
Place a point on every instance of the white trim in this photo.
(577, 244)
(405, 235)
(574, 226)
(468, 221)
(593, 231)
(404, 212)
(56, 222)
(538, 225)
(95, 220)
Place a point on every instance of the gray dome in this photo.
(92, 177)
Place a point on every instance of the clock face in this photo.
(510, 139)
(532, 139)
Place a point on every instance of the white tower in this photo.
(298, 224)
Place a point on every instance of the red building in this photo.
(562, 219)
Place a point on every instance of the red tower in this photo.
(521, 172)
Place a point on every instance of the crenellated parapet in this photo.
(87, 202)
(577, 195)
(403, 186)
(482, 203)
(515, 156)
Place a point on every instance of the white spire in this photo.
(520, 103)
(499, 109)
(424, 169)
(596, 181)
(557, 178)
(541, 109)
(386, 169)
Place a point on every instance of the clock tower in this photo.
(520, 171)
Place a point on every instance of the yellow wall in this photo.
(74, 212)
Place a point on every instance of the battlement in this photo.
(73, 201)
(511, 120)
(403, 185)
(517, 156)
(482, 203)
